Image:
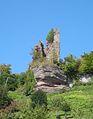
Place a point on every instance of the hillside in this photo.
(51, 88)
(80, 99)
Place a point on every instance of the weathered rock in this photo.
(86, 78)
(51, 89)
(49, 74)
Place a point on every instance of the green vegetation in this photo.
(20, 100)
(75, 68)
(38, 51)
(50, 36)
(29, 83)
(86, 65)
(39, 98)
(5, 84)
(75, 104)
(70, 66)
(79, 98)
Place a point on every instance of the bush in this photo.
(21, 78)
(39, 98)
(12, 82)
(4, 99)
(60, 104)
(50, 36)
(39, 113)
(29, 83)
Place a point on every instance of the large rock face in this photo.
(49, 74)
(49, 77)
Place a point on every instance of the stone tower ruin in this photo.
(52, 50)
(56, 44)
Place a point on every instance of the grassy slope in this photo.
(80, 99)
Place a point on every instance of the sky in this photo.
(24, 22)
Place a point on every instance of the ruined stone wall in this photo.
(53, 49)
(56, 44)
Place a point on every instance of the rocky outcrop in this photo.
(49, 74)
(51, 89)
(49, 77)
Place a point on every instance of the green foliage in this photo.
(36, 54)
(38, 51)
(50, 36)
(8, 112)
(4, 75)
(86, 64)
(58, 103)
(79, 97)
(5, 69)
(12, 82)
(80, 100)
(37, 106)
(37, 113)
(39, 98)
(25, 109)
(74, 67)
(70, 66)
(29, 83)
(4, 99)
(21, 78)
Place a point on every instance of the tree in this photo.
(12, 83)
(29, 82)
(70, 66)
(5, 72)
(50, 36)
(86, 63)
(21, 78)
(5, 69)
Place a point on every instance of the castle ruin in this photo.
(52, 50)
(49, 77)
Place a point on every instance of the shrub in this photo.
(21, 78)
(4, 99)
(12, 82)
(39, 113)
(60, 104)
(29, 83)
(50, 36)
(39, 98)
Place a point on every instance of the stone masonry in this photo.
(52, 50)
